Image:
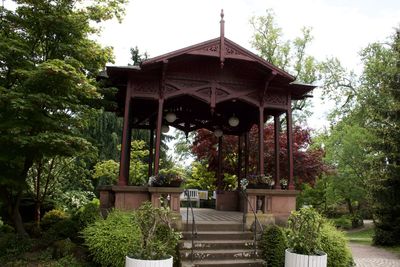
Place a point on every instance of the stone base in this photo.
(132, 197)
(264, 219)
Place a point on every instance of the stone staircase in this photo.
(219, 244)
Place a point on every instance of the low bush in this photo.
(357, 221)
(52, 217)
(273, 244)
(334, 243)
(66, 228)
(88, 214)
(342, 222)
(13, 245)
(385, 235)
(110, 240)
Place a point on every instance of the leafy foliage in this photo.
(308, 160)
(289, 55)
(159, 239)
(305, 226)
(334, 244)
(110, 240)
(12, 246)
(48, 63)
(107, 171)
(273, 244)
(201, 178)
(143, 234)
(52, 217)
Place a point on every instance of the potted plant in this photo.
(304, 239)
(258, 182)
(158, 239)
(166, 178)
(284, 183)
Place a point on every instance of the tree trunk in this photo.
(38, 198)
(16, 215)
(349, 206)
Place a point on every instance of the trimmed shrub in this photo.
(66, 228)
(343, 222)
(110, 240)
(386, 235)
(273, 244)
(334, 243)
(88, 214)
(52, 217)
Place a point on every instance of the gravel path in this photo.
(369, 256)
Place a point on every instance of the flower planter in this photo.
(259, 186)
(131, 262)
(300, 260)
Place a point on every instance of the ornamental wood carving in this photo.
(275, 99)
(146, 87)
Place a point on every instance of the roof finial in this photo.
(222, 40)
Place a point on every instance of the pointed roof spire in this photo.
(222, 40)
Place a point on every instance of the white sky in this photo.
(341, 28)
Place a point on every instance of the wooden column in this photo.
(261, 142)
(239, 160)
(158, 135)
(246, 154)
(290, 144)
(151, 155)
(277, 148)
(126, 140)
(219, 171)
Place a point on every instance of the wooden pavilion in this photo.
(217, 85)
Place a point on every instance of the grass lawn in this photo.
(365, 237)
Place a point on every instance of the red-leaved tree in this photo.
(308, 163)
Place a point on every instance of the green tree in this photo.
(48, 63)
(289, 55)
(381, 100)
(348, 146)
(107, 171)
(201, 178)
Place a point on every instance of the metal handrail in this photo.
(243, 192)
(194, 228)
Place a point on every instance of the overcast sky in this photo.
(341, 28)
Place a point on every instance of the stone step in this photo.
(234, 263)
(217, 244)
(222, 254)
(214, 227)
(219, 235)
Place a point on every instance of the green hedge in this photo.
(273, 244)
(334, 243)
(110, 240)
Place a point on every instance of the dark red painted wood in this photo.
(220, 162)
(240, 159)
(290, 144)
(158, 135)
(222, 40)
(203, 94)
(151, 154)
(261, 141)
(246, 154)
(277, 146)
(126, 140)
